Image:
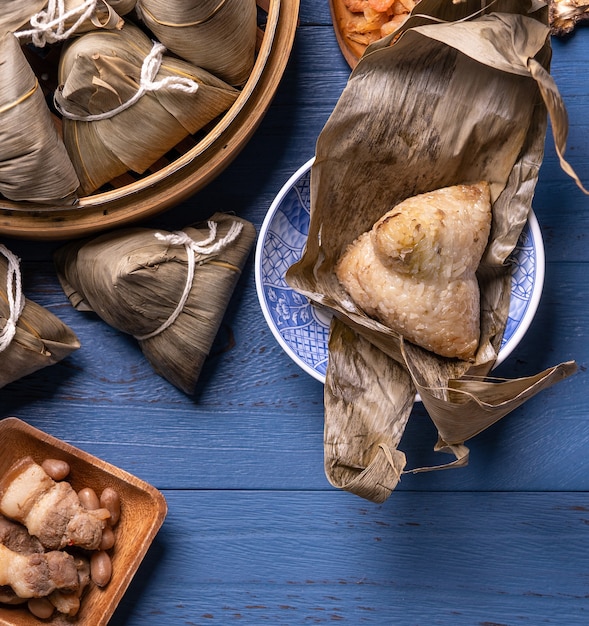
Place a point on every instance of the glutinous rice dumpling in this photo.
(169, 290)
(218, 35)
(125, 103)
(15, 13)
(415, 271)
(31, 337)
(60, 20)
(34, 164)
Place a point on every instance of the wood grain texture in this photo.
(427, 558)
(140, 520)
(254, 533)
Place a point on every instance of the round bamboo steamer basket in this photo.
(189, 167)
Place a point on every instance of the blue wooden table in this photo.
(255, 534)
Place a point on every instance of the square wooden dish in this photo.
(143, 509)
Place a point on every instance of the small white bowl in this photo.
(303, 331)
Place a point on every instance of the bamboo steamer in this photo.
(193, 163)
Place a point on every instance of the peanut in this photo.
(110, 499)
(56, 468)
(40, 607)
(100, 568)
(108, 539)
(89, 499)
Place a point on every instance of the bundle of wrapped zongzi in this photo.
(125, 104)
(31, 337)
(34, 164)
(169, 290)
(218, 35)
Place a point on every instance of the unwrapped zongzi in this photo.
(405, 126)
(415, 270)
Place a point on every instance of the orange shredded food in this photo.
(373, 19)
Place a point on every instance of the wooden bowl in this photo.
(143, 510)
(340, 15)
(352, 49)
(186, 169)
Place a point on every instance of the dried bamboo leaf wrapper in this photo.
(123, 7)
(363, 430)
(40, 339)
(470, 404)
(175, 121)
(135, 281)
(34, 164)
(15, 13)
(101, 70)
(218, 35)
(443, 104)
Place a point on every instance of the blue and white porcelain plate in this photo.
(303, 331)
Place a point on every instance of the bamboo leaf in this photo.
(457, 95)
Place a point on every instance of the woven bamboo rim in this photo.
(198, 161)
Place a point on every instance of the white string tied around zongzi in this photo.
(149, 69)
(48, 26)
(205, 247)
(15, 296)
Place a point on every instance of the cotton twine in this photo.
(207, 246)
(149, 69)
(48, 26)
(15, 296)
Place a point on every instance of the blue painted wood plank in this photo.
(419, 559)
(255, 534)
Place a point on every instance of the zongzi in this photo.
(61, 20)
(125, 103)
(168, 290)
(15, 13)
(415, 270)
(34, 164)
(31, 337)
(218, 35)
(405, 126)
